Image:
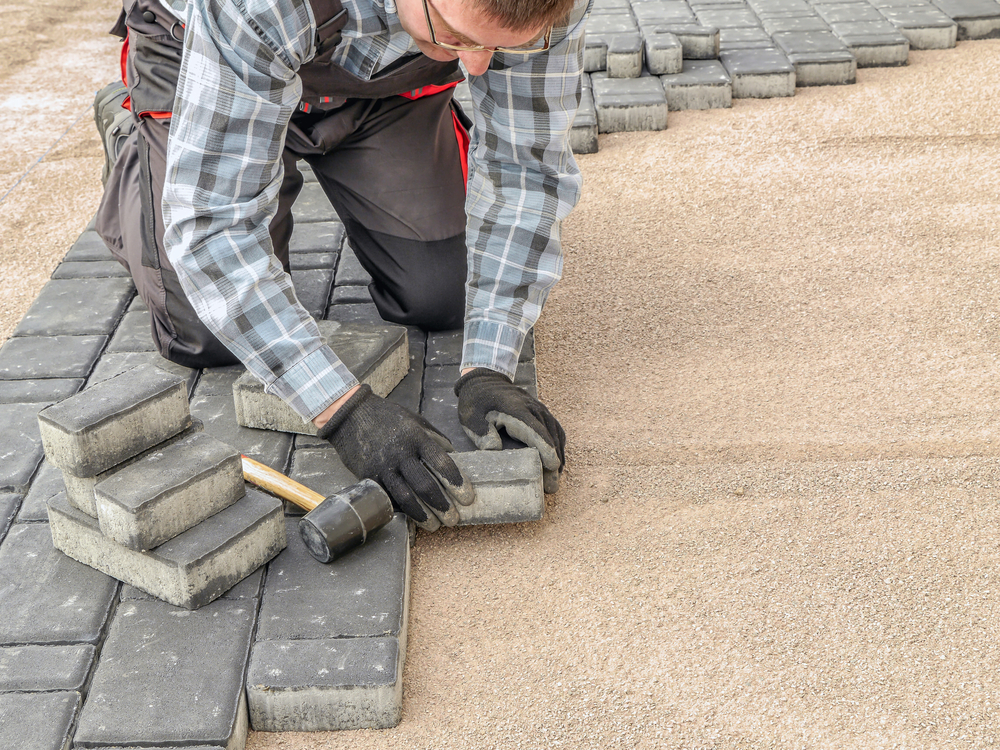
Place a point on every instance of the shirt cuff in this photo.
(314, 383)
(494, 346)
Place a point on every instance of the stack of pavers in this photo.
(644, 58)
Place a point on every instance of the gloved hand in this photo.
(487, 400)
(403, 452)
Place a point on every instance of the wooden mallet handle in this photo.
(277, 483)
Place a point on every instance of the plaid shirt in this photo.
(238, 89)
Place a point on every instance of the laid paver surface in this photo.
(773, 351)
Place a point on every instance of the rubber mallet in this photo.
(332, 525)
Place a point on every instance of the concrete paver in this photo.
(52, 714)
(30, 668)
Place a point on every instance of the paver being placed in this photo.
(703, 84)
(48, 598)
(37, 391)
(349, 615)
(508, 486)
(20, 446)
(627, 104)
(376, 355)
(37, 721)
(193, 568)
(759, 73)
(170, 677)
(110, 422)
(43, 668)
(168, 491)
(77, 307)
(32, 357)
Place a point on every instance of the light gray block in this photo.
(37, 721)
(37, 391)
(750, 38)
(703, 84)
(169, 491)
(43, 668)
(728, 18)
(350, 295)
(218, 381)
(47, 598)
(508, 486)
(329, 684)
(193, 568)
(249, 588)
(20, 446)
(170, 678)
(110, 422)
(76, 307)
(759, 74)
(613, 36)
(664, 54)
(628, 104)
(80, 491)
(376, 355)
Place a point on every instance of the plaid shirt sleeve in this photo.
(237, 91)
(523, 181)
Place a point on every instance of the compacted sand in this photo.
(775, 354)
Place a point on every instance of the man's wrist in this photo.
(324, 416)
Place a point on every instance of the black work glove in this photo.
(403, 452)
(487, 400)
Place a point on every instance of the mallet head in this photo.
(345, 520)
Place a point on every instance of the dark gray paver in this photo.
(820, 58)
(249, 588)
(48, 483)
(42, 668)
(114, 420)
(218, 381)
(924, 26)
(350, 272)
(20, 446)
(312, 289)
(46, 597)
(873, 43)
(31, 357)
(321, 470)
(37, 391)
(112, 364)
(313, 205)
(318, 237)
(329, 684)
(219, 415)
(350, 295)
(76, 307)
(361, 313)
(628, 104)
(37, 721)
(703, 84)
(439, 406)
(170, 677)
(358, 595)
(169, 491)
(728, 18)
(508, 486)
(445, 348)
(133, 334)
(750, 38)
(95, 269)
(89, 246)
(312, 261)
(9, 503)
(193, 568)
(759, 73)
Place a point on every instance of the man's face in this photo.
(458, 22)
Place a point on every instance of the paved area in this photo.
(777, 528)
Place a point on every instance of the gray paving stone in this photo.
(976, 19)
(193, 568)
(662, 11)
(765, 9)
(170, 678)
(780, 24)
(350, 272)
(925, 27)
(364, 313)
(311, 261)
(664, 54)
(312, 289)
(37, 721)
(445, 348)
(703, 84)
(407, 393)
(219, 381)
(115, 363)
(34, 357)
(742, 18)
(313, 205)
(583, 135)
(9, 503)
(36, 391)
(321, 470)
(89, 246)
(307, 173)
(755, 38)
(613, 44)
(291, 687)
(628, 104)
(759, 74)
(80, 491)
(47, 598)
(133, 334)
(444, 377)
(439, 406)
(93, 269)
(48, 483)
(42, 668)
(319, 237)
(874, 44)
(697, 42)
(376, 355)
(249, 588)
(351, 295)
(20, 446)
(820, 58)
(169, 491)
(114, 420)
(76, 307)
(508, 486)
(849, 13)
(219, 415)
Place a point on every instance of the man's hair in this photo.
(523, 14)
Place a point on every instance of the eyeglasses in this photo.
(539, 44)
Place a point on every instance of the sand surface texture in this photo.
(774, 351)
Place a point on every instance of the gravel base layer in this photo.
(778, 523)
